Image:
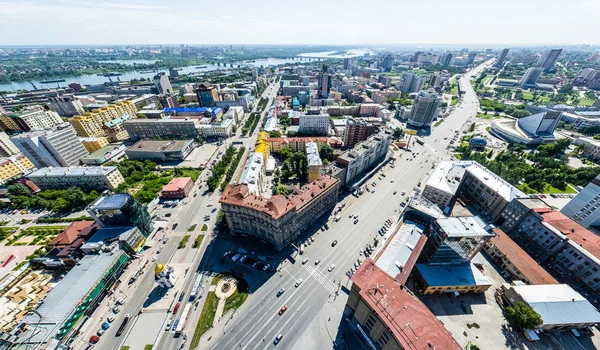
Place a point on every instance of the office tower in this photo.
(347, 63)
(547, 61)
(583, 208)
(446, 58)
(500, 62)
(7, 147)
(207, 95)
(410, 82)
(66, 105)
(254, 73)
(387, 63)
(425, 109)
(471, 58)
(162, 83)
(121, 210)
(56, 147)
(173, 73)
(324, 83)
(531, 76)
(435, 80)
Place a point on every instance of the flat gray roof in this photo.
(60, 303)
(399, 249)
(465, 274)
(159, 146)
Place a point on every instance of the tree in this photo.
(566, 89)
(281, 189)
(524, 316)
(326, 152)
(19, 190)
(398, 133)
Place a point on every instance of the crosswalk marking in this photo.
(322, 279)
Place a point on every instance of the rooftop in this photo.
(251, 175)
(104, 151)
(68, 293)
(532, 271)
(465, 274)
(176, 184)
(312, 154)
(115, 201)
(398, 249)
(71, 232)
(280, 204)
(159, 146)
(581, 236)
(464, 226)
(410, 321)
(72, 171)
(296, 139)
(558, 304)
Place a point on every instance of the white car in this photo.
(331, 267)
(317, 262)
(298, 282)
(243, 258)
(110, 318)
(266, 267)
(304, 261)
(235, 257)
(154, 258)
(120, 301)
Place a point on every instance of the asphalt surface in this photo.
(257, 322)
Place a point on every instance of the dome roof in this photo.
(158, 269)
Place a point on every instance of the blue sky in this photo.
(343, 22)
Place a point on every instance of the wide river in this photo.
(93, 79)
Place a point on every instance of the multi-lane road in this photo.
(257, 322)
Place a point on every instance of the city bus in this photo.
(419, 141)
(183, 319)
(123, 324)
(196, 287)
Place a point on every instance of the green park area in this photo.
(206, 318)
(35, 235)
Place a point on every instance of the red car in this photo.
(282, 310)
(94, 339)
(175, 308)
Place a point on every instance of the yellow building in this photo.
(261, 145)
(8, 124)
(91, 124)
(92, 144)
(15, 166)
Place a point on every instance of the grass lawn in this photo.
(237, 298)
(148, 347)
(7, 231)
(527, 95)
(41, 235)
(198, 241)
(192, 228)
(586, 102)
(439, 122)
(206, 318)
(454, 100)
(487, 116)
(183, 242)
(205, 227)
(216, 279)
(126, 347)
(487, 79)
(190, 172)
(548, 189)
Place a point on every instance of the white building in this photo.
(56, 147)
(162, 83)
(315, 124)
(236, 113)
(253, 173)
(223, 129)
(38, 118)
(591, 147)
(315, 165)
(534, 129)
(7, 147)
(99, 178)
(165, 276)
(583, 208)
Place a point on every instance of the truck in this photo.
(122, 326)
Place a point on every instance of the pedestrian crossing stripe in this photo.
(322, 279)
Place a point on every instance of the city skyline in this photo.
(268, 22)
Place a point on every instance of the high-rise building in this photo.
(546, 61)
(314, 124)
(55, 147)
(358, 130)
(531, 76)
(7, 147)
(425, 108)
(446, 58)
(34, 117)
(500, 62)
(14, 167)
(98, 178)
(584, 207)
(162, 83)
(471, 58)
(66, 105)
(410, 82)
(94, 123)
(387, 63)
(324, 86)
(347, 63)
(207, 95)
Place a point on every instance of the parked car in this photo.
(317, 262)
(116, 310)
(266, 267)
(277, 339)
(298, 282)
(282, 310)
(105, 325)
(331, 267)
(100, 332)
(333, 243)
(281, 291)
(176, 308)
(110, 318)
(304, 261)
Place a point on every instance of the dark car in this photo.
(174, 226)
(277, 339)
(280, 292)
(333, 243)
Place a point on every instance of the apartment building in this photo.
(278, 220)
(92, 124)
(583, 208)
(358, 130)
(92, 144)
(365, 154)
(567, 250)
(33, 117)
(14, 167)
(314, 163)
(54, 147)
(98, 178)
(294, 144)
(314, 124)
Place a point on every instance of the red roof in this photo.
(576, 233)
(279, 204)
(411, 322)
(522, 261)
(71, 233)
(177, 184)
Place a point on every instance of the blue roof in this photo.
(295, 101)
(198, 110)
(465, 274)
(115, 201)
